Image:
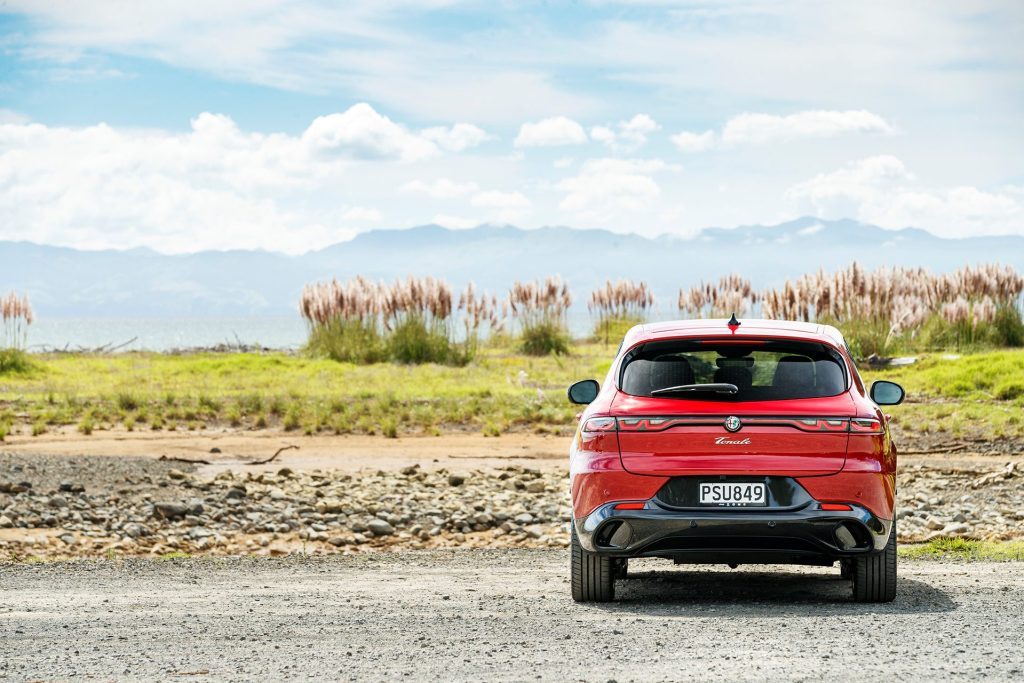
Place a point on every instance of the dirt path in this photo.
(499, 615)
(355, 452)
(349, 452)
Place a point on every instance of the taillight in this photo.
(860, 425)
(599, 424)
(836, 507)
(630, 506)
(814, 424)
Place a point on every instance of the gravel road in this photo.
(498, 615)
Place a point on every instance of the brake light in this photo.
(859, 425)
(600, 424)
(630, 506)
(836, 507)
(813, 424)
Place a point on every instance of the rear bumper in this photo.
(807, 535)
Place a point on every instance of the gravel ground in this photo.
(63, 506)
(498, 615)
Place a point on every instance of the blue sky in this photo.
(289, 125)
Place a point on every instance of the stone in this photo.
(68, 539)
(215, 450)
(276, 494)
(410, 470)
(536, 486)
(455, 479)
(177, 475)
(70, 487)
(378, 527)
(170, 510)
(5, 522)
(523, 519)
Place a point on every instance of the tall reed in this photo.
(539, 308)
(731, 294)
(618, 306)
(877, 308)
(408, 321)
(17, 316)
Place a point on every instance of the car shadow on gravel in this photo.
(741, 593)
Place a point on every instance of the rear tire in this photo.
(874, 577)
(592, 576)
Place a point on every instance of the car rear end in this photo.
(714, 445)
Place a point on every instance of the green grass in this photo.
(501, 390)
(974, 396)
(297, 393)
(965, 549)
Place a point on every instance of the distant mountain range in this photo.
(140, 282)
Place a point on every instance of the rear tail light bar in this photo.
(805, 424)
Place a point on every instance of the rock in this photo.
(276, 494)
(136, 530)
(455, 479)
(170, 510)
(286, 472)
(959, 517)
(340, 540)
(69, 539)
(523, 519)
(215, 450)
(70, 487)
(58, 501)
(177, 475)
(235, 493)
(378, 527)
(934, 524)
(410, 470)
(5, 522)
(199, 532)
(536, 486)
(955, 529)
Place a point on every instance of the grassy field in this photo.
(978, 395)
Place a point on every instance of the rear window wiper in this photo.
(717, 387)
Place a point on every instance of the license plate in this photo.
(724, 494)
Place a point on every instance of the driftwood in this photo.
(938, 451)
(173, 458)
(274, 456)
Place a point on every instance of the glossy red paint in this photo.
(832, 464)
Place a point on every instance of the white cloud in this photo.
(362, 133)
(214, 186)
(457, 138)
(551, 132)
(763, 128)
(10, 116)
(441, 188)
(361, 214)
(626, 136)
(881, 190)
(604, 185)
(694, 142)
(494, 199)
(759, 129)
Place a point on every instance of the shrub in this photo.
(14, 361)
(1007, 391)
(127, 401)
(539, 308)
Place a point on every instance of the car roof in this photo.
(719, 327)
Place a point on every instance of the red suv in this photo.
(713, 441)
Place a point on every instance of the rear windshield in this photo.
(768, 370)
